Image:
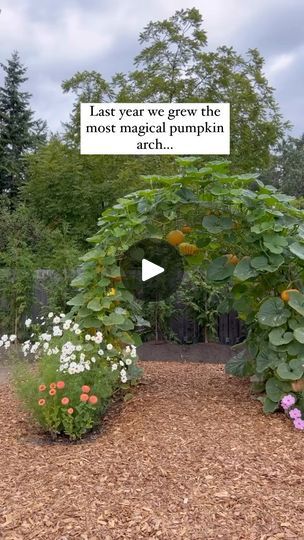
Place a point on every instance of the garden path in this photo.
(190, 457)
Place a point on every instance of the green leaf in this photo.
(273, 313)
(77, 300)
(113, 319)
(239, 366)
(291, 371)
(274, 242)
(296, 302)
(299, 334)
(244, 270)
(278, 337)
(215, 224)
(94, 304)
(259, 263)
(297, 249)
(270, 406)
(220, 269)
(276, 389)
(266, 359)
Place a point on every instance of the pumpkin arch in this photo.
(243, 233)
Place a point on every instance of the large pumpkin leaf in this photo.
(299, 334)
(220, 269)
(266, 359)
(273, 313)
(215, 224)
(278, 337)
(239, 366)
(291, 371)
(276, 389)
(244, 270)
(270, 406)
(296, 302)
(274, 242)
(297, 249)
(260, 263)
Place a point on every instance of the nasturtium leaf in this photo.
(243, 270)
(220, 269)
(299, 334)
(296, 302)
(278, 337)
(273, 313)
(291, 371)
(297, 249)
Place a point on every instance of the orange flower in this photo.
(60, 385)
(42, 387)
(84, 397)
(93, 400)
(52, 392)
(70, 410)
(41, 402)
(85, 388)
(53, 385)
(65, 401)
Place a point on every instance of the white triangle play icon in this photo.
(150, 270)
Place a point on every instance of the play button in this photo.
(152, 269)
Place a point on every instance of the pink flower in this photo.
(295, 413)
(288, 401)
(298, 423)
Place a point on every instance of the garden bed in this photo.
(191, 456)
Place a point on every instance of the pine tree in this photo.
(19, 133)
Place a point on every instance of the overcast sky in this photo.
(56, 38)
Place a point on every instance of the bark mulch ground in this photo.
(191, 457)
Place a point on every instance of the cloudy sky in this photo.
(56, 38)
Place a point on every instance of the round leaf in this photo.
(273, 313)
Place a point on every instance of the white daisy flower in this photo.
(128, 361)
(100, 352)
(57, 331)
(50, 315)
(87, 337)
(114, 367)
(56, 320)
(109, 346)
(28, 323)
(67, 324)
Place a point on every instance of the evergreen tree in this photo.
(19, 133)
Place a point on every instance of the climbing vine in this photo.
(246, 235)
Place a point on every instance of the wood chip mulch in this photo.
(191, 457)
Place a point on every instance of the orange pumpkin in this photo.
(175, 237)
(285, 294)
(186, 229)
(188, 249)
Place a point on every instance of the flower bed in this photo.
(75, 375)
